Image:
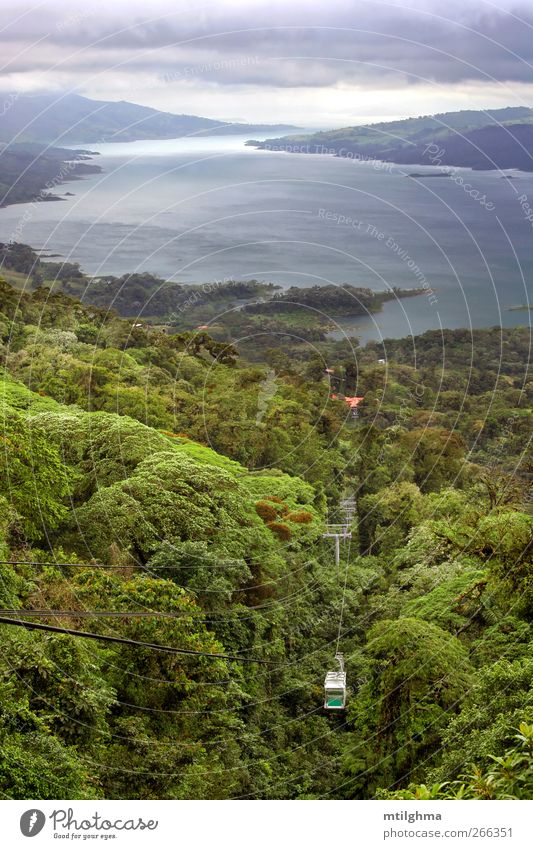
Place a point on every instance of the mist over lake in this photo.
(205, 209)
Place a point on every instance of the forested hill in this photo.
(483, 140)
(68, 118)
(31, 173)
(143, 471)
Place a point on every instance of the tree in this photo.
(437, 456)
(32, 476)
(507, 776)
(418, 676)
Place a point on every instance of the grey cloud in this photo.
(301, 44)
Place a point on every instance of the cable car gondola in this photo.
(335, 687)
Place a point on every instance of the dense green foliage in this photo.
(331, 300)
(144, 471)
(507, 776)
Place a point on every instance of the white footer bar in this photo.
(267, 824)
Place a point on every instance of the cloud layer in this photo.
(225, 54)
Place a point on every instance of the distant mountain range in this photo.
(33, 166)
(484, 140)
(73, 119)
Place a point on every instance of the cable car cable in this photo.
(142, 566)
(343, 595)
(79, 565)
(138, 614)
(94, 614)
(335, 681)
(36, 626)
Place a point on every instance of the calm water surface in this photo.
(198, 210)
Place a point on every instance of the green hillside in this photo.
(484, 139)
(150, 472)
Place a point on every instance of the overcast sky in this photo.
(326, 63)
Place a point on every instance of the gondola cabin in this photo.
(335, 690)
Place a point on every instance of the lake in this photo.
(205, 209)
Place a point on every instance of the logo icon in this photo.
(32, 822)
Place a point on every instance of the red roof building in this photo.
(354, 401)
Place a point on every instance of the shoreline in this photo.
(384, 164)
(35, 176)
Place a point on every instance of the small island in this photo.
(430, 174)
